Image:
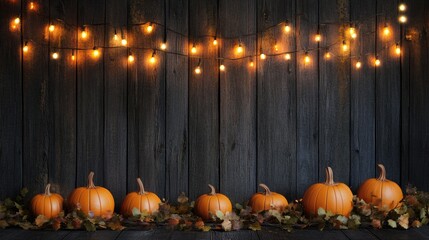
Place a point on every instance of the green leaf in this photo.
(342, 219)
(392, 223)
(422, 213)
(90, 227)
(220, 215)
(205, 228)
(136, 212)
(321, 212)
(255, 226)
(238, 206)
(23, 192)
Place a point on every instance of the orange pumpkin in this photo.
(263, 201)
(47, 204)
(381, 191)
(210, 203)
(97, 200)
(333, 197)
(142, 200)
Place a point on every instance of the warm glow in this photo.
(276, 48)
(354, 35)
(287, 28)
(307, 58)
(149, 28)
(287, 56)
(251, 63)
(163, 46)
(386, 30)
(327, 55)
(198, 70)
(222, 67)
(51, 28)
(17, 20)
(402, 7)
(25, 48)
(130, 58)
(352, 30)
(318, 38)
(152, 58)
(32, 6)
(124, 42)
(73, 58)
(193, 49)
(55, 55)
(239, 48)
(345, 46)
(358, 64)
(84, 33)
(402, 19)
(377, 62)
(215, 41)
(115, 37)
(263, 56)
(398, 49)
(95, 52)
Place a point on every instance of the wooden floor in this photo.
(267, 233)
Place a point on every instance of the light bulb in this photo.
(377, 62)
(124, 42)
(32, 6)
(345, 46)
(51, 28)
(149, 28)
(55, 55)
(25, 48)
(239, 48)
(386, 30)
(402, 7)
(318, 38)
(73, 58)
(152, 58)
(198, 70)
(84, 33)
(194, 49)
(263, 56)
(163, 46)
(130, 58)
(251, 63)
(354, 35)
(287, 56)
(215, 41)
(352, 30)
(327, 55)
(17, 20)
(115, 37)
(222, 67)
(276, 48)
(95, 52)
(402, 19)
(398, 49)
(306, 58)
(287, 28)
(358, 64)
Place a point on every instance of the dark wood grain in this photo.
(90, 93)
(152, 234)
(37, 138)
(203, 101)
(147, 158)
(398, 234)
(276, 95)
(62, 92)
(98, 235)
(362, 104)
(334, 92)
(238, 102)
(308, 234)
(191, 235)
(307, 96)
(115, 98)
(246, 234)
(10, 102)
(359, 234)
(387, 89)
(38, 235)
(177, 138)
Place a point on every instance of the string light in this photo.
(287, 27)
(222, 67)
(17, 21)
(402, 7)
(327, 55)
(115, 37)
(306, 58)
(198, 68)
(73, 58)
(84, 33)
(130, 58)
(402, 19)
(149, 28)
(251, 63)
(398, 49)
(51, 28)
(377, 62)
(55, 55)
(263, 56)
(152, 58)
(124, 41)
(358, 64)
(239, 48)
(214, 41)
(25, 48)
(318, 37)
(193, 49)
(287, 56)
(32, 6)
(386, 30)
(276, 47)
(163, 45)
(345, 46)
(95, 52)
(352, 31)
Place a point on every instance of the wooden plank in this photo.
(10, 102)
(203, 101)
(359, 234)
(191, 235)
(307, 234)
(90, 93)
(398, 234)
(237, 102)
(98, 235)
(36, 100)
(5, 233)
(147, 100)
(419, 89)
(236, 235)
(334, 92)
(307, 96)
(152, 234)
(362, 152)
(38, 235)
(62, 92)
(388, 92)
(276, 114)
(115, 107)
(177, 100)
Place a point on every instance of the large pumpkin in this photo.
(47, 203)
(331, 196)
(142, 200)
(381, 191)
(97, 200)
(212, 202)
(263, 201)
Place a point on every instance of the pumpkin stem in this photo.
(48, 189)
(91, 180)
(213, 192)
(265, 187)
(141, 187)
(329, 177)
(382, 176)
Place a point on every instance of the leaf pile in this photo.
(413, 211)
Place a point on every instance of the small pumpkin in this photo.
(263, 201)
(331, 196)
(142, 200)
(381, 191)
(210, 203)
(47, 203)
(97, 200)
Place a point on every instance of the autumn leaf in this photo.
(376, 223)
(416, 224)
(182, 199)
(255, 226)
(40, 221)
(56, 224)
(219, 215)
(392, 223)
(136, 212)
(226, 225)
(403, 221)
(237, 225)
(3, 224)
(321, 212)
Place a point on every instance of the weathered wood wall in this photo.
(280, 123)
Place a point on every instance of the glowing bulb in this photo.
(73, 58)
(153, 59)
(198, 70)
(222, 67)
(398, 49)
(193, 49)
(251, 64)
(287, 56)
(327, 55)
(402, 7)
(95, 52)
(17, 20)
(276, 48)
(55, 55)
(84, 33)
(149, 28)
(215, 41)
(358, 64)
(32, 7)
(352, 30)
(345, 46)
(124, 42)
(163, 46)
(287, 28)
(386, 30)
(318, 38)
(115, 37)
(51, 28)
(130, 58)
(263, 56)
(306, 58)
(377, 62)
(354, 35)
(25, 48)
(239, 48)
(402, 19)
